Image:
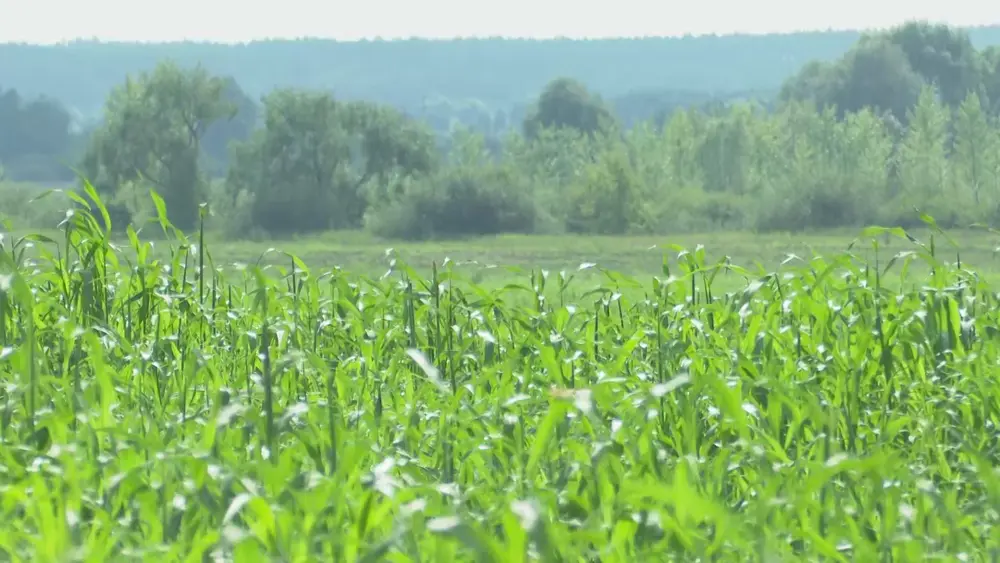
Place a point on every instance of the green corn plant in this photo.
(156, 404)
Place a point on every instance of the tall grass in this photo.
(171, 409)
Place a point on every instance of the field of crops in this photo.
(172, 410)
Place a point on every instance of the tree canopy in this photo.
(567, 104)
(152, 133)
(886, 71)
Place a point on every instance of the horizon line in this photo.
(480, 37)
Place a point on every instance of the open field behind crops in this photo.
(176, 412)
(488, 260)
(492, 261)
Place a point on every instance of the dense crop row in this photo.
(169, 409)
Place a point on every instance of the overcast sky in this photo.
(47, 21)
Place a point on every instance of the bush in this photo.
(815, 203)
(606, 201)
(457, 202)
(691, 209)
(231, 213)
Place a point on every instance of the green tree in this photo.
(552, 164)
(877, 74)
(886, 70)
(991, 78)
(473, 195)
(943, 55)
(726, 150)
(975, 161)
(817, 81)
(923, 166)
(294, 166)
(822, 171)
(566, 103)
(386, 145)
(608, 197)
(318, 163)
(152, 133)
(681, 152)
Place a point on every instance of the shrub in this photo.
(457, 202)
(606, 201)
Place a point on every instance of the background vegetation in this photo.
(894, 121)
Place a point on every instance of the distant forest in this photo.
(484, 83)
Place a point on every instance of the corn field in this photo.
(158, 406)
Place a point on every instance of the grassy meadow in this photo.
(159, 403)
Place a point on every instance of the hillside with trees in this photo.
(409, 74)
(901, 120)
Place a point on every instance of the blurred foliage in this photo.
(904, 119)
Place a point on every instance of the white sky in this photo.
(47, 21)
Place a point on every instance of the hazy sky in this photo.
(46, 21)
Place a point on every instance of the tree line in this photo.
(305, 160)
(487, 84)
(498, 73)
(41, 139)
